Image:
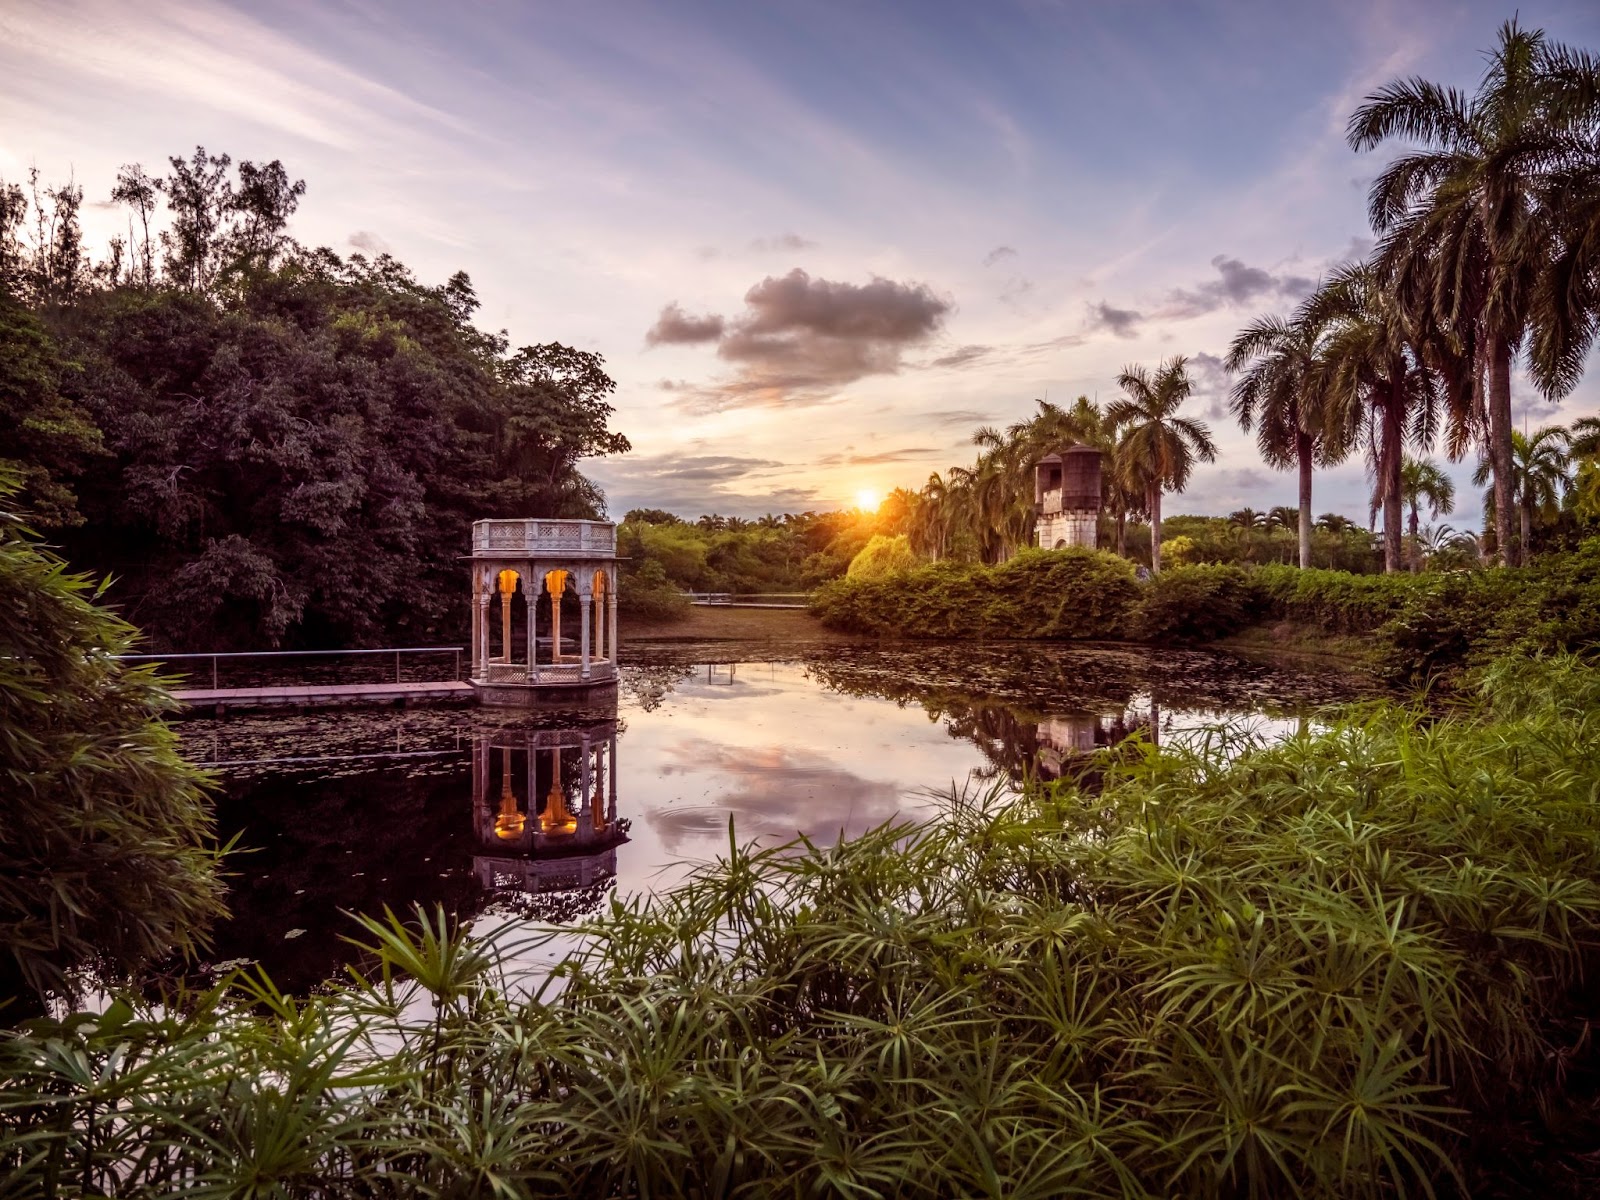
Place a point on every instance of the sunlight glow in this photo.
(868, 499)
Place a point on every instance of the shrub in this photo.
(883, 556)
(1053, 594)
(646, 593)
(107, 860)
(1355, 964)
(1199, 603)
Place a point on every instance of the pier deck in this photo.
(322, 695)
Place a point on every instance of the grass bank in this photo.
(722, 623)
(1359, 963)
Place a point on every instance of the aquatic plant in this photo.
(1358, 963)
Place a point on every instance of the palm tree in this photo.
(1283, 516)
(1421, 481)
(1247, 519)
(1539, 476)
(1376, 378)
(1469, 237)
(1282, 393)
(1158, 447)
(1336, 523)
(1583, 439)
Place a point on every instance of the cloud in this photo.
(676, 327)
(956, 416)
(1016, 290)
(690, 482)
(368, 242)
(784, 241)
(1237, 284)
(1210, 380)
(883, 457)
(962, 356)
(800, 339)
(997, 254)
(1123, 322)
(771, 793)
(699, 468)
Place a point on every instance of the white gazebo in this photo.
(526, 568)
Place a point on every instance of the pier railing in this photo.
(273, 668)
(751, 599)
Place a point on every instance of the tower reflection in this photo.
(1063, 740)
(544, 809)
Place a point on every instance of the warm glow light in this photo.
(868, 500)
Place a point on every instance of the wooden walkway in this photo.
(321, 696)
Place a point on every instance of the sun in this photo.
(868, 499)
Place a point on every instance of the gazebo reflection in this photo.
(544, 808)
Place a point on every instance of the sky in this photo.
(817, 243)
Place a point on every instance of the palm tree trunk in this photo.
(1416, 547)
(1525, 547)
(1155, 529)
(1500, 450)
(1389, 480)
(1122, 533)
(1303, 448)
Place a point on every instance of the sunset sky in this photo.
(817, 243)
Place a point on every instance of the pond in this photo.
(351, 811)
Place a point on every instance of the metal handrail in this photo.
(292, 653)
(215, 658)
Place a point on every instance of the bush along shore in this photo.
(1361, 962)
(1418, 630)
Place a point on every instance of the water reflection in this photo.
(544, 809)
(495, 814)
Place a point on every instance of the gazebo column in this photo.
(600, 629)
(483, 634)
(611, 619)
(584, 798)
(555, 626)
(532, 584)
(473, 617)
(505, 622)
(611, 797)
(585, 603)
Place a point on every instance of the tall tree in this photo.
(1282, 394)
(1423, 482)
(200, 197)
(1377, 380)
(1158, 448)
(138, 191)
(1468, 233)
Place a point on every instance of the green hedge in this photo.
(1054, 594)
(1420, 628)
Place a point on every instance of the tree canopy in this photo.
(268, 445)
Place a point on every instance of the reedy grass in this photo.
(1358, 963)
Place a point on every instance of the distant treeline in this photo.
(266, 444)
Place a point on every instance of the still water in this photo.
(498, 815)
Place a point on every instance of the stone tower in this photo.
(1066, 498)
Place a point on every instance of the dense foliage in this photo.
(1036, 594)
(789, 553)
(107, 861)
(267, 445)
(1417, 629)
(1359, 963)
